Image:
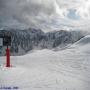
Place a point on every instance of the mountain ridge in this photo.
(26, 40)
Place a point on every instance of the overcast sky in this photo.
(44, 14)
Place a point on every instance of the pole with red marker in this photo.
(7, 57)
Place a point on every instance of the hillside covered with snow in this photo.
(68, 69)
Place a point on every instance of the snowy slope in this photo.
(83, 45)
(68, 69)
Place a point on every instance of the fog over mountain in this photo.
(43, 23)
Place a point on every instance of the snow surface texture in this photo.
(68, 69)
(26, 40)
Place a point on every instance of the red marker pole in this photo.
(7, 57)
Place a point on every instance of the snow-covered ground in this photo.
(68, 69)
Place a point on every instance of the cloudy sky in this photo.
(44, 14)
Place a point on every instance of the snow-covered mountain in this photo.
(45, 69)
(25, 40)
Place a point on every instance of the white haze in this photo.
(45, 14)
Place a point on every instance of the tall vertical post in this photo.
(7, 57)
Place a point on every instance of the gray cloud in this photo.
(26, 11)
(40, 13)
